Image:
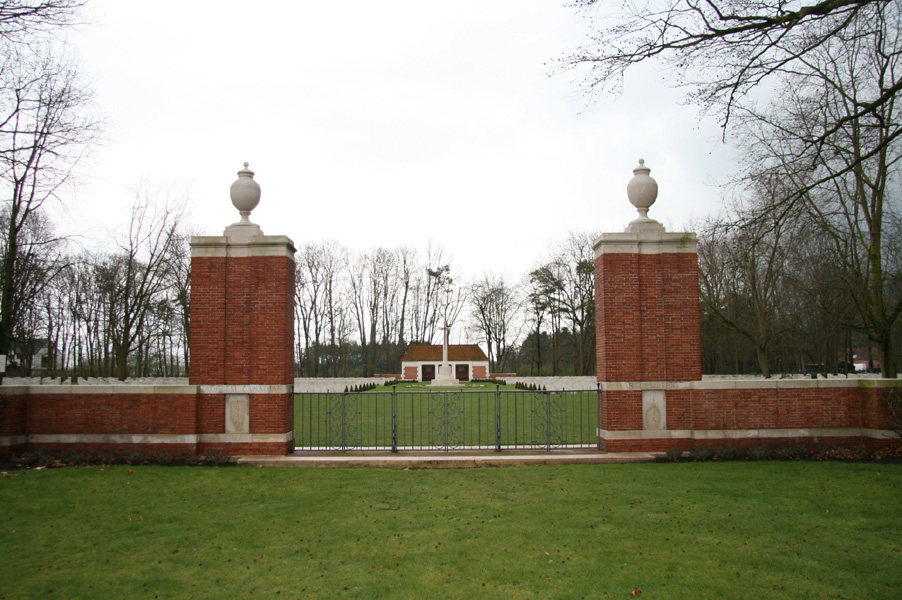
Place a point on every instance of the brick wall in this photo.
(242, 320)
(132, 420)
(112, 413)
(242, 351)
(648, 339)
(647, 317)
(752, 413)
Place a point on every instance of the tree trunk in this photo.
(887, 356)
(763, 360)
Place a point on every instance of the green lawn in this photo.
(681, 530)
(425, 418)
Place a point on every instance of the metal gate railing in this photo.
(446, 420)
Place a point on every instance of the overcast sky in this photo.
(387, 123)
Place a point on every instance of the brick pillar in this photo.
(647, 326)
(242, 339)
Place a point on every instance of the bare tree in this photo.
(577, 296)
(847, 182)
(545, 284)
(742, 270)
(723, 49)
(356, 268)
(45, 129)
(380, 265)
(322, 307)
(141, 269)
(496, 312)
(40, 258)
(564, 287)
(408, 263)
(180, 274)
(435, 296)
(21, 22)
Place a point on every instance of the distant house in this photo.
(468, 361)
(33, 355)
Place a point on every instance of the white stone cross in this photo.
(447, 331)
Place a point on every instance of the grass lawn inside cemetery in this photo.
(680, 530)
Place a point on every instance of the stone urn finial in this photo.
(245, 194)
(642, 190)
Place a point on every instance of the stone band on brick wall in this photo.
(748, 434)
(245, 389)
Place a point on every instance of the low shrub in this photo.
(732, 453)
(216, 458)
(760, 453)
(673, 454)
(702, 453)
(85, 458)
(35, 458)
(82, 458)
(841, 453)
(791, 453)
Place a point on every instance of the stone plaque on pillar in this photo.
(238, 414)
(654, 410)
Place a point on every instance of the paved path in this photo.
(441, 460)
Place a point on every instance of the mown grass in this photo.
(684, 530)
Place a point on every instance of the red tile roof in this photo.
(456, 353)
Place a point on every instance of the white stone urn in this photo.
(245, 194)
(642, 191)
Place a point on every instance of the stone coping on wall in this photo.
(550, 383)
(9, 381)
(792, 376)
(747, 384)
(333, 385)
(145, 389)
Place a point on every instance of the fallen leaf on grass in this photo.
(636, 591)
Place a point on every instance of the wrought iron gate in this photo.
(446, 420)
